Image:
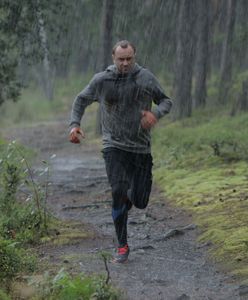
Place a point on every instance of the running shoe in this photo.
(121, 255)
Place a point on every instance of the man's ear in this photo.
(113, 58)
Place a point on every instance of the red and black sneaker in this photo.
(122, 254)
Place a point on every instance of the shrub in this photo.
(13, 260)
(20, 222)
(3, 295)
(25, 221)
(65, 287)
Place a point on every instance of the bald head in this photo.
(123, 44)
(123, 55)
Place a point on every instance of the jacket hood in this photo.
(136, 68)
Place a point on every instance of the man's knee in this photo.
(139, 199)
(141, 203)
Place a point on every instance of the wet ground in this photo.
(166, 261)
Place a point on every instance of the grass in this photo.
(65, 287)
(33, 107)
(63, 233)
(201, 164)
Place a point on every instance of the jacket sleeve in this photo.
(87, 96)
(163, 102)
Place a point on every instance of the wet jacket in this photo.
(122, 97)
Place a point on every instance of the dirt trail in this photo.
(165, 262)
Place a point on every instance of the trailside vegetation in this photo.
(201, 164)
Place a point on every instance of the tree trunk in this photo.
(106, 33)
(184, 60)
(47, 74)
(106, 46)
(202, 54)
(241, 20)
(242, 101)
(226, 59)
(243, 97)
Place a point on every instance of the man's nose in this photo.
(125, 62)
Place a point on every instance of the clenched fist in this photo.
(75, 135)
(148, 119)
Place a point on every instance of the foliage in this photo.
(13, 24)
(3, 295)
(20, 38)
(23, 222)
(65, 287)
(201, 164)
(8, 61)
(13, 260)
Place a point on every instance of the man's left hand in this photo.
(148, 119)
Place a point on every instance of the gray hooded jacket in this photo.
(122, 98)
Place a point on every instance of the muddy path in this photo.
(166, 262)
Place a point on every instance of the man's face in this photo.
(124, 59)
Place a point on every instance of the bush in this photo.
(13, 260)
(21, 219)
(3, 295)
(24, 221)
(65, 287)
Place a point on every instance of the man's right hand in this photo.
(75, 135)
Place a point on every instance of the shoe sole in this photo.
(116, 261)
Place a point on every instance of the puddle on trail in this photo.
(72, 163)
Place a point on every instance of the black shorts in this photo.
(130, 172)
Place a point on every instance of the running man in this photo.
(125, 92)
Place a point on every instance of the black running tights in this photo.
(130, 177)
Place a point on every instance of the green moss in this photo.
(213, 186)
(70, 238)
(242, 272)
(65, 232)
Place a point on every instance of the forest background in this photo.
(197, 49)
